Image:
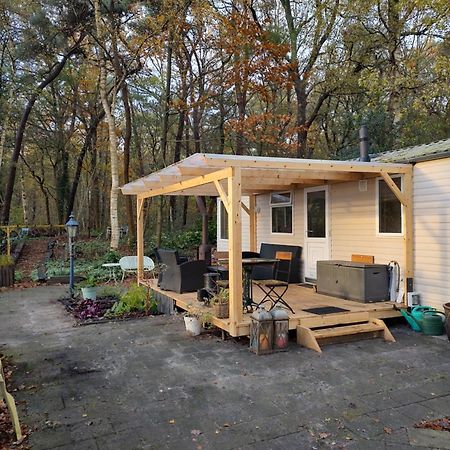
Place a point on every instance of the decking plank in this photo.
(299, 297)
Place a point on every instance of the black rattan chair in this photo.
(180, 276)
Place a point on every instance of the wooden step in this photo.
(348, 329)
(310, 337)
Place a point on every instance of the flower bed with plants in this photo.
(112, 304)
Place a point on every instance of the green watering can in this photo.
(433, 323)
(415, 317)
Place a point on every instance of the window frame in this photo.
(377, 201)
(282, 205)
(221, 205)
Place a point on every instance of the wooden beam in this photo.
(235, 249)
(223, 195)
(245, 208)
(140, 238)
(253, 224)
(213, 160)
(408, 230)
(394, 188)
(193, 182)
(194, 171)
(293, 175)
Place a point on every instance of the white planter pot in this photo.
(193, 326)
(89, 293)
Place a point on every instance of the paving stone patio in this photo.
(144, 384)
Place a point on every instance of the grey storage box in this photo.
(353, 280)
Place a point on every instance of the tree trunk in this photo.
(137, 141)
(167, 97)
(126, 160)
(111, 121)
(94, 204)
(159, 220)
(300, 120)
(241, 102)
(87, 144)
(52, 75)
(24, 198)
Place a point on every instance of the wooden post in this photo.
(253, 229)
(235, 249)
(140, 238)
(408, 234)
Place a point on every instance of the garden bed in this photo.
(110, 307)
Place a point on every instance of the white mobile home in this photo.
(338, 219)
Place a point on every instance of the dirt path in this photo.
(32, 255)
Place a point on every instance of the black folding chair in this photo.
(274, 289)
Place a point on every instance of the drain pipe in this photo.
(364, 144)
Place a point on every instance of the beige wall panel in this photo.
(432, 231)
(222, 244)
(353, 225)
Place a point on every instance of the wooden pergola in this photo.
(230, 177)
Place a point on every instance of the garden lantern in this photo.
(71, 228)
(261, 332)
(280, 329)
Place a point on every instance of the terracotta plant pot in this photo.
(7, 275)
(221, 310)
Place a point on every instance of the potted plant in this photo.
(6, 271)
(220, 303)
(89, 288)
(195, 319)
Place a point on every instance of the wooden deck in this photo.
(299, 298)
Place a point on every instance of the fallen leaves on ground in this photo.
(442, 424)
(7, 434)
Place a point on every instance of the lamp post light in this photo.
(71, 227)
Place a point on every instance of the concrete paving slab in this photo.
(144, 384)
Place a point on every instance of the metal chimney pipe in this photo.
(364, 144)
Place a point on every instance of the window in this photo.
(389, 208)
(223, 216)
(281, 212)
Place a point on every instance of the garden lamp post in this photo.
(71, 227)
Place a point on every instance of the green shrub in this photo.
(18, 276)
(184, 239)
(91, 250)
(132, 300)
(6, 260)
(90, 281)
(109, 291)
(112, 256)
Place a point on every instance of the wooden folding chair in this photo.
(281, 281)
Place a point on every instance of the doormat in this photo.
(325, 310)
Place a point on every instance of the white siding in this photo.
(264, 221)
(222, 244)
(353, 219)
(354, 225)
(432, 231)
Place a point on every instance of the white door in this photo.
(317, 245)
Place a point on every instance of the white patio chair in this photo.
(128, 264)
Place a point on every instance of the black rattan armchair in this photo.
(180, 276)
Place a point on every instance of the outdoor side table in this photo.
(247, 268)
(112, 271)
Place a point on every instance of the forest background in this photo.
(96, 93)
